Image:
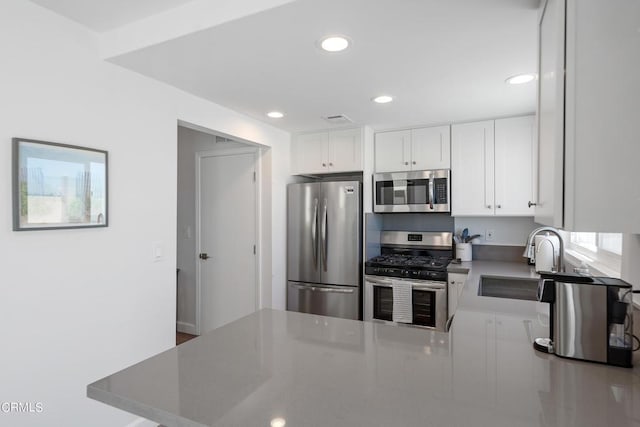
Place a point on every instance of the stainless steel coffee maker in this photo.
(591, 318)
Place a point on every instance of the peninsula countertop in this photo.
(320, 371)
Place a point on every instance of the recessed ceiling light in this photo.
(334, 43)
(275, 114)
(520, 79)
(278, 422)
(382, 99)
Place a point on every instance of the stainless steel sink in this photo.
(508, 287)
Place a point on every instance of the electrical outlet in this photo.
(489, 235)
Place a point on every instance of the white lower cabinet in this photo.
(455, 286)
(492, 167)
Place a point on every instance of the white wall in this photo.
(189, 143)
(509, 231)
(81, 304)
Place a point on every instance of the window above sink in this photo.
(600, 251)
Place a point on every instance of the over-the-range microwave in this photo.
(415, 191)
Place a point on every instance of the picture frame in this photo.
(58, 186)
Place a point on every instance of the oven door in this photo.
(418, 191)
(378, 298)
(429, 302)
(429, 305)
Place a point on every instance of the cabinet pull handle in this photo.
(330, 164)
(499, 206)
(324, 165)
(532, 204)
(406, 163)
(414, 162)
(488, 206)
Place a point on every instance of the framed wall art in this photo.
(58, 186)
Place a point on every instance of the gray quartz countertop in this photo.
(319, 371)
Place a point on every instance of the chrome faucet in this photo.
(529, 248)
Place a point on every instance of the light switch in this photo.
(157, 252)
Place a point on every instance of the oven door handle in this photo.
(429, 287)
(379, 282)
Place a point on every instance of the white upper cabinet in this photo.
(310, 153)
(492, 167)
(431, 148)
(472, 169)
(548, 209)
(514, 166)
(393, 151)
(588, 123)
(327, 152)
(415, 149)
(345, 150)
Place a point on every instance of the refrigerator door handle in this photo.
(325, 290)
(314, 233)
(324, 235)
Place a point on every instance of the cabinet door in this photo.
(549, 208)
(310, 153)
(514, 166)
(431, 148)
(472, 169)
(456, 284)
(393, 151)
(345, 150)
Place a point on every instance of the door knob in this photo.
(330, 164)
(499, 206)
(414, 162)
(204, 256)
(406, 163)
(324, 165)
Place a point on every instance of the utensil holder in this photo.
(464, 251)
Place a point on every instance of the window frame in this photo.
(602, 260)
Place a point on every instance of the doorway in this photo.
(217, 230)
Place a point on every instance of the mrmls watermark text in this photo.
(21, 407)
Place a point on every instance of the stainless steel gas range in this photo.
(407, 282)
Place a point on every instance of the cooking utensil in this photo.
(470, 238)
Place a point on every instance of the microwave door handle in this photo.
(314, 233)
(431, 191)
(323, 237)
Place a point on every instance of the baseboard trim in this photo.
(187, 328)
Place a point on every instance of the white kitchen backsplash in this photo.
(507, 231)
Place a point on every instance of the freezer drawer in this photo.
(326, 300)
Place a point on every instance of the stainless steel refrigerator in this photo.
(324, 248)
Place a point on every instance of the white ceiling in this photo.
(103, 15)
(444, 60)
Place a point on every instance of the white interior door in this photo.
(227, 262)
